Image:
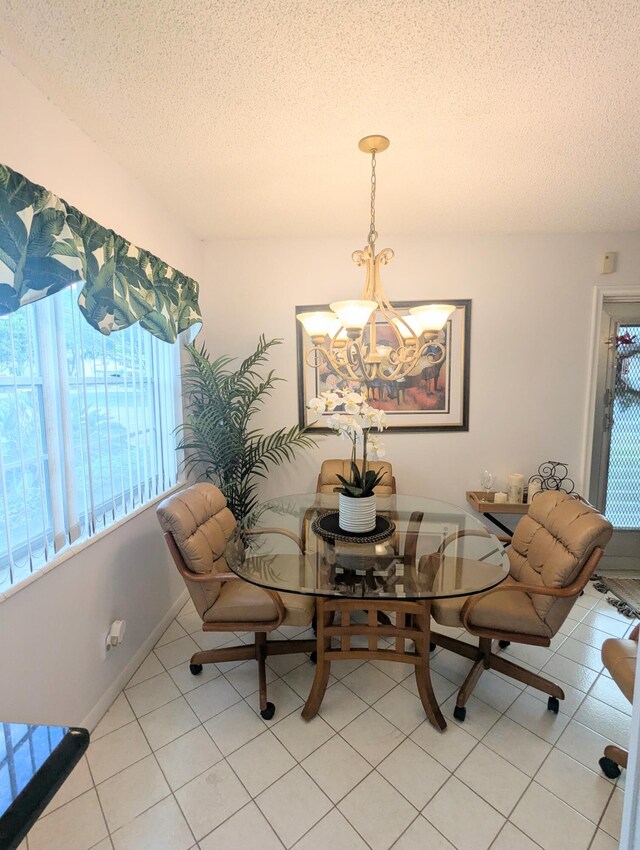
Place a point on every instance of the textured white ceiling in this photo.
(243, 116)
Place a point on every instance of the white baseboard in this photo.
(105, 701)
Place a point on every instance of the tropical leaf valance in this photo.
(47, 245)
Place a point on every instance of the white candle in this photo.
(534, 487)
(500, 498)
(515, 487)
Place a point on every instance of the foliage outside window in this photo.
(86, 429)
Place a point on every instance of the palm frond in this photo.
(216, 439)
(259, 355)
(273, 449)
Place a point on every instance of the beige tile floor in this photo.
(182, 762)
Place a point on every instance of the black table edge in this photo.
(23, 812)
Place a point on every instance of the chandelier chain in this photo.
(411, 342)
(372, 228)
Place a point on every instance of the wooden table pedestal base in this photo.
(412, 623)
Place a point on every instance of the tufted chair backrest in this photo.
(551, 544)
(328, 479)
(201, 523)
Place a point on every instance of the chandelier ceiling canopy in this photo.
(345, 337)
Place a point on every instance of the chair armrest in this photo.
(471, 532)
(230, 576)
(466, 532)
(634, 633)
(306, 522)
(202, 578)
(411, 537)
(535, 589)
(284, 531)
(277, 601)
(275, 596)
(197, 578)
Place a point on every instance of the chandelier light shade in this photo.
(431, 317)
(409, 327)
(353, 315)
(319, 324)
(345, 337)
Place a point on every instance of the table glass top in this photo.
(436, 550)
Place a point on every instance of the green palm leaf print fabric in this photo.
(46, 245)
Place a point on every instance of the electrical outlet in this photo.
(115, 635)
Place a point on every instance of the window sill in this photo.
(75, 548)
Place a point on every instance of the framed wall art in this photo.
(430, 398)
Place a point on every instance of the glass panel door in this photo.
(615, 479)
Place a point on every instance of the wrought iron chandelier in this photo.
(345, 337)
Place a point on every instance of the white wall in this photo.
(51, 669)
(52, 665)
(530, 334)
(39, 141)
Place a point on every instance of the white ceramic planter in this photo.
(357, 515)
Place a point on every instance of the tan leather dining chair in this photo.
(328, 478)
(554, 551)
(620, 657)
(197, 525)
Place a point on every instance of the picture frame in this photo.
(429, 399)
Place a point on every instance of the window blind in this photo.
(86, 429)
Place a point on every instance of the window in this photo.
(86, 429)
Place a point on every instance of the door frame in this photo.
(630, 830)
(627, 293)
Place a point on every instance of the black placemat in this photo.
(327, 527)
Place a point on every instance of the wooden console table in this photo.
(483, 503)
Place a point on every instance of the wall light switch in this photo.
(609, 262)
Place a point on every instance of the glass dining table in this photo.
(373, 591)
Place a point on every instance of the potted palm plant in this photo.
(218, 439)
(357, 502)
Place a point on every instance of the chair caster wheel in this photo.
(314, 657)
(553, 704)
(268, 712)
(195, 669)
(609, 768)
(503, 644)
(432, 646)
(460, 712)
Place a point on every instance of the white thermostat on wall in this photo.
(609, 262)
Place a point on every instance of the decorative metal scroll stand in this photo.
(553, 475)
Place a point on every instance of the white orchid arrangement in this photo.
(354, 424)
